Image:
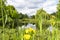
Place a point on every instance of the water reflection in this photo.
(29, 25)
(50, 28)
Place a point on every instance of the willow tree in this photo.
(13, 16)
(58, 14)
(58, 20)
(40, 18)
(2, 15)
(58, 11)
(2, 11)
(55, 22)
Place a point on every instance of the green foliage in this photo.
(41, 16)
(33, 17)
(58, 12)
(23, 16)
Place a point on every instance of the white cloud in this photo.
(50, 6)
(28, 11)
(30, 6)
(49, 3)
(51, 9)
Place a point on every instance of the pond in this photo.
(29, 25)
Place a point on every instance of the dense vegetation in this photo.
(11, 22)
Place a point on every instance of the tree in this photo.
(2, 12)
(40, 17)
(13, 15)
(33, 16)
(20, 16)
(25, 16)
(58, 11)
(8, 15)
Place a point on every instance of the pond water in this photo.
(50, 28)
(29, 25)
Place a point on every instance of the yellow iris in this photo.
(26, 31)
(30, 29)
(34, 31)
(27, 36)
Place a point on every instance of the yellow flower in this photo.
(27, 36)
(34, 31)
(26, 31)
(30, 29)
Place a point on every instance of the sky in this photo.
(30, 7)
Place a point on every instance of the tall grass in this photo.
(14, 34)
